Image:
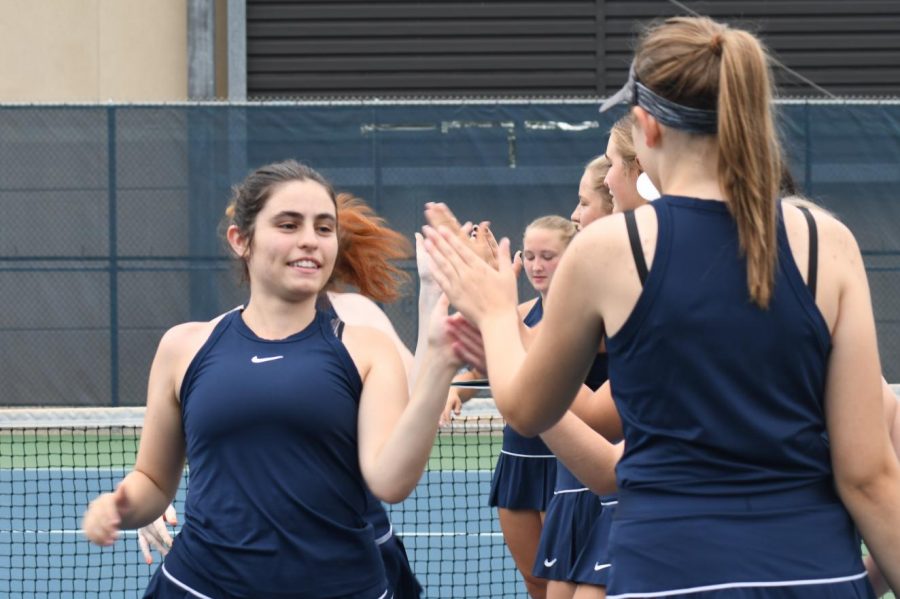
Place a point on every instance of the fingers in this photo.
(170, 516)
(490, 244)
(467, 343)
(448, 409)
(439, 215)
(503, 255)
(517, 263)
(162, 540)
(145, 547)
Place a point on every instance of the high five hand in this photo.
(473, 286)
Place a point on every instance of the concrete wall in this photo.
(93, 50)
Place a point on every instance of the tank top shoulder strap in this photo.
(652, 279)
(535, 314)
(332, 329)
(812, 268)
(637, 250)
(805, 292)
(217, 332)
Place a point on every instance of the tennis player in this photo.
(574, 509)
(284, 424)
(727, 488)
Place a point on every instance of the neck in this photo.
(272, 318)
(689, 166)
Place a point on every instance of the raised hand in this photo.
(467, 342)
(474, 287)
(102, 520)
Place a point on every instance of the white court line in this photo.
(78, 532)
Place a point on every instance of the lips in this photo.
(308, 263)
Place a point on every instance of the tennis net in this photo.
(54, 461)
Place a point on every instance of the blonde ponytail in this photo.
(749, 156)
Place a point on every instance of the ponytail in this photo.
(367, 249)
(749, 156)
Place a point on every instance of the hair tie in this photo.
(715, 44)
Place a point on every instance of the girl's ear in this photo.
(237, 241)
(647, 125)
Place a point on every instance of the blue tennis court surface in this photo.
(452, 537)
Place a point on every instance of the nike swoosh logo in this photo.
(258, 360)
(598, 567)
(549, 563)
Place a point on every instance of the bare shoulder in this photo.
(181, 343)
(604, 248)
(837, 243)
(366, 345)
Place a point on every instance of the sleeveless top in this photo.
(375, 514)
(717, 396)
(276, 496)
(515, 444)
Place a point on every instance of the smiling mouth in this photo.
(305, 263)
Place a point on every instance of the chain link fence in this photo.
(109, 233)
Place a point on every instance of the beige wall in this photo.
(93, 50)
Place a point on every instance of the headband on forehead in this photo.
(672, 114)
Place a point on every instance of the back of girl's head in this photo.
(367, 249)
(596, 171)
(562, 226)
(699, 63)
(624, 142)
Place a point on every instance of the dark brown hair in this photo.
(366, 246)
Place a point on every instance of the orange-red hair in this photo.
(368, 249)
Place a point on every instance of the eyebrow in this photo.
(299, 216)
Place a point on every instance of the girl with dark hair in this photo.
(285, 415)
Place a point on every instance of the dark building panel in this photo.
(301, 48)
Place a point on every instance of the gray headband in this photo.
(671, 114)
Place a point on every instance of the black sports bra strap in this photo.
(813, 266)
(636, 248)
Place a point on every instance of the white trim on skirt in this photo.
(522, 455)
(183, 586)
(739, 585)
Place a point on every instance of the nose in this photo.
(574, 216)
(307, 237)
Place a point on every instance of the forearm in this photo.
(404, 455)
(598, 411)
(875, 508)
(589, 456)
(876, 578)
(146, 501)
(429, 293)
(505, 355)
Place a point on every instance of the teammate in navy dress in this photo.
(358, 225)
(284, 424)
(574, 508)
(727, 371)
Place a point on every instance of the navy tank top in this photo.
(718, 396)
(513, 443)
(276, 497)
